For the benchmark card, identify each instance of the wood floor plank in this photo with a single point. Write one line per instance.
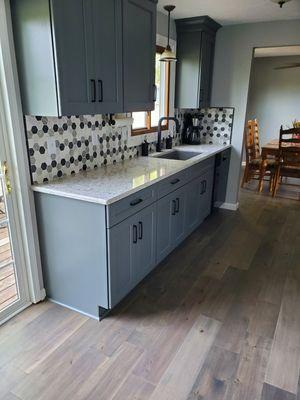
(249, 379)
(134, 388)
(217, 373)
(177, 382)
(273, 393)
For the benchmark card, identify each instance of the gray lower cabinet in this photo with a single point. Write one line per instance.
(221, 177)
(94, 255)
(131, 249)
(170, 222)
(193, 205)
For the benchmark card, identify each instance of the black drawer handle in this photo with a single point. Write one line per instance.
(136, 202)
(100, 85)
(141, 230)
(174, 181)
(93, 82)
(173, 207)
(177, 205)
(134, 234)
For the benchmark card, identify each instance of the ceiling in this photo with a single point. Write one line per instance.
(228, 12)
(277, 51)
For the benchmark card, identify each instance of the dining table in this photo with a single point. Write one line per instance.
(270, 150)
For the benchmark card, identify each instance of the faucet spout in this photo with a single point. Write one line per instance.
(161, 120)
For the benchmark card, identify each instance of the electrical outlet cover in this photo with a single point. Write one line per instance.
(51, 146)
(95, 138)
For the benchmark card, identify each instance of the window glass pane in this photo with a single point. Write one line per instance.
(139, 120)
(155, 114)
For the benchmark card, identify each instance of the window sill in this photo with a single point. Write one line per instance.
(145, 131)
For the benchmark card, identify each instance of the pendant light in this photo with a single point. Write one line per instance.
(168, 55)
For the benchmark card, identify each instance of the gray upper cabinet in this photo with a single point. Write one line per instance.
(70, 55)
(139, 39)
(107, 25)
(72, 47)
(195, 53)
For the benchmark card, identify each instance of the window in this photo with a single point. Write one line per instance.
(147, 121)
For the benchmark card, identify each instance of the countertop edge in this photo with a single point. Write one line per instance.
(47, 190)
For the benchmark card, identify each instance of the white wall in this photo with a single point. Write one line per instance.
(233, 58)
(274, 96)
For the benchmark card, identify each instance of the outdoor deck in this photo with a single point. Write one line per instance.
(8, 287)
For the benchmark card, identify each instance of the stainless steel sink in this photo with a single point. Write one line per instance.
(177, 155)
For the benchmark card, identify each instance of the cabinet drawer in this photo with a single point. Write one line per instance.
(130, 205)
(197, 170)
(172, 183)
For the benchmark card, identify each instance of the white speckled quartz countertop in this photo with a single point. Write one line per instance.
(108, 184)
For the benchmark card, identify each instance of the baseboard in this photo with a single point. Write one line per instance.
(227, 206)
(230, 206)
(74, 309)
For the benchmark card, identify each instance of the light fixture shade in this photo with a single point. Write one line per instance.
(168, 55)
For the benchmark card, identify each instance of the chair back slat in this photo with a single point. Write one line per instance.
(252, 140)
(289, 147)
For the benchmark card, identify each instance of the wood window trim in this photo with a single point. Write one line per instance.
(149, 128)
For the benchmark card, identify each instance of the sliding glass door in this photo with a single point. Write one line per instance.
(13, 282)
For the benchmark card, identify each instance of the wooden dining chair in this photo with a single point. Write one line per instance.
(255, 168)
(288, 162)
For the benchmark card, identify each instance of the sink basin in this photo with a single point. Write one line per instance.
(178, 155)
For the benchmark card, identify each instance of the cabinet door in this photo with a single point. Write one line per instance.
(193, 201)
(73, 38)
(107, 33)
(206, 188)
(178, 220)
(206, 68)
(139, 40)
(146, 222)
(221, 178)
(187, 69)
(123, 254)
(165, 213)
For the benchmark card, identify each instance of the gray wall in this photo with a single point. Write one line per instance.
(274, 95)
(233, 59)
(162, 26)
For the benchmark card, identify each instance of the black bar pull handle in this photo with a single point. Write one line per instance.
(154, 93)
(174, 181)
(141, 233)
(173, 207)
(136, 202)
(100, 86)
(177, 204)
(93, 82)
(134, 234)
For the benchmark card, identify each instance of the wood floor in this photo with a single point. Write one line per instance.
(220, 319)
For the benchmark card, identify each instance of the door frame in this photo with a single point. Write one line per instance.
(16, 149)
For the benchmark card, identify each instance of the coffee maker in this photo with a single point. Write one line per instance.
(191, 130)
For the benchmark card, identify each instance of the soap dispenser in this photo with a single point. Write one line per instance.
(145, 148)
(169, 142)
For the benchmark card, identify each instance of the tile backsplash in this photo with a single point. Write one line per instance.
(215, 124)
(62, 146)
(66, 145)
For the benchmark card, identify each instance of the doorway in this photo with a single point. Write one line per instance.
(273, 102)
